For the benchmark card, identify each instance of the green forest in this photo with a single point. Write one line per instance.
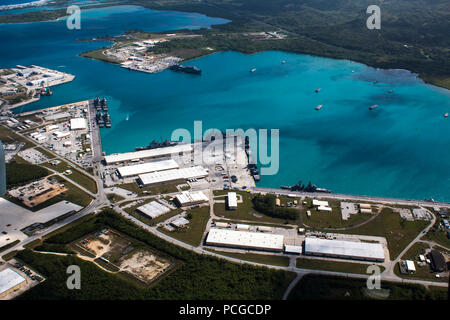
(198, 277)
(413, 34)
(317, 287)
(21, 173)
(266, 205)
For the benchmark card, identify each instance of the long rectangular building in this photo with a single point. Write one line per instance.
(344, 249)
(10, 280)
(148, 154)
(153, 209)
(245, 240)
(173, 175)
(134, 170)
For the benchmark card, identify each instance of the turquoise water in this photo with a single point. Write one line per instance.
(399, 149)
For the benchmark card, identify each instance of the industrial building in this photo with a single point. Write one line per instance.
(174, 175)
(344, 249)
(437, 261)
(232, 201)
(292, 249)
(135, 170)
(148, 154)
(10, 281)
(153, 209)
(180, 222)
(245, 240)
(78, 124)
(188, 198)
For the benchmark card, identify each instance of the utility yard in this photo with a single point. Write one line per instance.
(116, 253)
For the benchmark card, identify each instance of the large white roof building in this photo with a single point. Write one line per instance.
(138, 169)
(173, 175)
(78, 124)
(245, 239)
(9, 280)
(232, 200)
(153, 209)
(187, 198)
(150, 153)
(344, 249)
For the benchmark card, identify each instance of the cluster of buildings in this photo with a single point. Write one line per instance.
(263, 239)
(138, 56)
(32, 81)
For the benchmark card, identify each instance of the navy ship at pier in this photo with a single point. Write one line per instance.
(308, 188)
(185, 69)
(155, 144)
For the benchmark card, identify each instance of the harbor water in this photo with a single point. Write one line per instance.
(399, 149)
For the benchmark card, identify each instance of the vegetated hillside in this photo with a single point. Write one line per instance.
(413, 34)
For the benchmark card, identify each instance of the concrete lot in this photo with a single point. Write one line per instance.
(14, 218)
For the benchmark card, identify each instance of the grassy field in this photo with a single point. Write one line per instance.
(245, 210)
(422, 272)
(193, 232)
(333, 219)
(76, 175)
(274, 260)
(98, 55)
(165, 188)
(338, 266)
(83, 180)
(397, 231)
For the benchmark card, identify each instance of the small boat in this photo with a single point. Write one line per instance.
(283, 62)
(318, 107)
(353, 71)
(446, 115)
(391, 91)
(318, 90)
(253, 70)
(373, 107)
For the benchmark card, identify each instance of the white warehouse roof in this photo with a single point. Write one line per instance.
(153, 209)
(232, 201)
(320, 203)
(292, 249)
(245, 239)
(174, 174)
(410, 266)
(78, 124)
(138, 169)
(344, 249)
(187, 197)
(151, 153)
(180, 222)
(9, 279)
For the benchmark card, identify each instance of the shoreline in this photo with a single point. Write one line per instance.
(441, 81)
(37, 3)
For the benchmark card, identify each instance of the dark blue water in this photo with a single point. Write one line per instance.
(399, 149)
